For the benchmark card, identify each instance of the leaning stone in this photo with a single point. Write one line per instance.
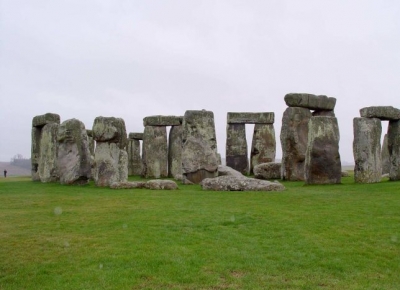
(162, 121)
(228, 171)
(251, 118)
(236, 147)
(384, 113)
(48, 118)
(161, 184)
(128, 185)
(47, 165)
(136, 136)
(367, 150)
(394, 149)
(155, 152)
(233, 183)
(310, 101)
(74, 156)
(270, 170)
(322, 164)
(111, 130)
(294, 134)
(385, 155)
(263, 145)
(175, 152)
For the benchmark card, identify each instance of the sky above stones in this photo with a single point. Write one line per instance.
(132, 59)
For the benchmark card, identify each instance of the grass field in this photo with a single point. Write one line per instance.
(308, 237)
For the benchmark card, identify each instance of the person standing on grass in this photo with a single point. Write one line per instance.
(5, 173)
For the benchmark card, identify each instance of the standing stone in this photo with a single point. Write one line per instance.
(322, 164)
(236, 148)
(394, 149)
(135, 166)
(385, 155)
(175, 152)
(155, 152)
(199, 151)
(367, 150)
(74, 159)
(48, 171)
(263, 146)
(294, 134)
(90, 141)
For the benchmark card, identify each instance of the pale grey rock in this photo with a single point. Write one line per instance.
(175, 152)
(251, 118)
(322, 164)
(385, 113)
(310, 101)
(162, 121)
(228, 171)
(111, 130)
(263, 145)
(128, 185)
(234, 183)
(91, 142)
(345, 174)
(367, 150)
(136, 136)
(161, 184)
(48, 118)
(269, 170)
(135, 165)
(73, 158)
(155, 152)
(394, 149)
(385, 155)
(236, 147)
(47, 161)
(294, 135)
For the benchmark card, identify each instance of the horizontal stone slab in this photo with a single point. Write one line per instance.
(160, 120)
(136, 136)
(41, 120)
(310, 101)
(384, 113)
(251, 118)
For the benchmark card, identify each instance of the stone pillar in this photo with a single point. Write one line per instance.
(155, 152)
(175, 152)
(294, 135)
(263, 146)
(236, 148)
(367, 150)
(385, 155)
(135, 165)
(322, 163)
(394, 149)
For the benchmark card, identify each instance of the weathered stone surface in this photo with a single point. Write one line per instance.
(324, 113)
(111, 130)
(270, 170)
(345, 174)
(111, 164)
(155, 152)
(91, 142)
(162, 121)
(135, 166)
(175, 152)
(161, 184)
(234, 183)
(48, 118)
(251, 118)
(386, 113)
(310, 101)
(47, 161)
(128, 185)
(385, 155)
(394, 149)
(294, 134)
(263, 146)
(136, 136)
(236, 147)
(228, 171)
(73, 160)
(322, 164)
(199, 151)
(367, 150)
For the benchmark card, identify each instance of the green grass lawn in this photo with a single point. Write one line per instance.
(308, 237)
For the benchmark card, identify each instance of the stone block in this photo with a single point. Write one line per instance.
(310, 101)
(384, 113)
(251, 118)
(160, 120)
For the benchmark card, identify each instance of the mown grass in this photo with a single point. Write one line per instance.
(308, 237)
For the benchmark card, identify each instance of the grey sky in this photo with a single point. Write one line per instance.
(132, 59)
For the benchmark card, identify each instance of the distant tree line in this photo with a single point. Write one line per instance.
(20, 161)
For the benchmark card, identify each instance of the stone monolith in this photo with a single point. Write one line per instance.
(263, 146)
(175, 152)
(155, 152)
(394, 149)
(385, 156)
(47, 168)
(236, 148)
(135, 165)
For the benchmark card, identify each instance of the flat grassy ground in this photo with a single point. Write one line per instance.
(308, 237)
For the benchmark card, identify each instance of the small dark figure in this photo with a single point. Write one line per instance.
(5, 173)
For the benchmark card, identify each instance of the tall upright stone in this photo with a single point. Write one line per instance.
(385, 155)
(74, 158)
(367, 150)
(135, 165)
(322, 163)
(236, 148)
(394, 149)
(263, 146)
(155, 152)
(199, 151)
(175, 152)
(294, 136)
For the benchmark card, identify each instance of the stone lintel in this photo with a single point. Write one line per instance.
(135, 136)
(310, 101)
(384, 113)
(160, 120)
(41, 120)
(251, 118)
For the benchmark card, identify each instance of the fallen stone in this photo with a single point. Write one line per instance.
(161, 184)
(270, 170)
(251, 118)
(233, 183)
(310, 101)
(128, 185)
(345, 174)
(228, 171)
(385, 113)
(162, 121)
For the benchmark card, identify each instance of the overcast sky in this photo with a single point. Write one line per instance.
(132, 59)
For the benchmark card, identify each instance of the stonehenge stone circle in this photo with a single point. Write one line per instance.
(135, 166)
(269, 170)
(367, 150)
(236, 147)
(243, 183)
(263, 145)
(385, 156)
(310, 101)
(155, 152)
(394, 149)
(175, 152)
(384, 113)
(74, 159)
(250, 118)
(322, 163)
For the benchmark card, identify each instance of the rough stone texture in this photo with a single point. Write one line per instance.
(270, 170)
(251, 118)
(294, 134)
(91, 142)
(111, 130)
(199, 151)
(135, 166)
(263, 146)
(386, 113)
(367, 150)
(73, 158)
(47, 166)
(161, 184)
(175, 152)
(324, 113)
(394, 149)
(136, 136)
(234, 183)
(345, 174)
(228, 171)
(48, 118)
(310, 101)
(162, 121)
(385, 156)
(128, 185)
(155, 152)
(322, 164)
(236, 147)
